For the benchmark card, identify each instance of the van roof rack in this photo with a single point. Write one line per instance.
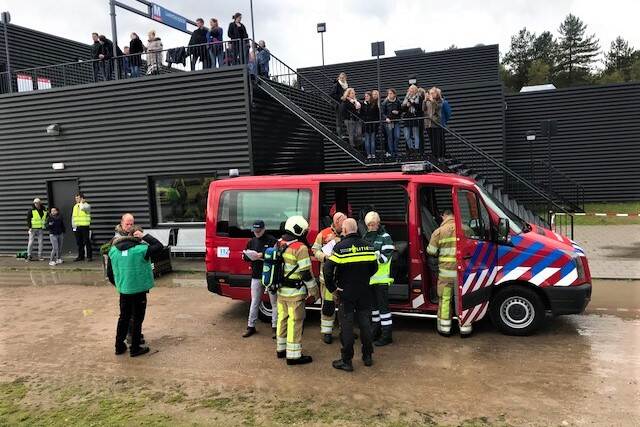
(416, 167)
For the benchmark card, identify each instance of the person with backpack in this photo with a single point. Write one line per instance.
(254, 253)
(295, 284)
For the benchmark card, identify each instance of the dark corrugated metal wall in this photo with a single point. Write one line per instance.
(30, 48)
(280, 141)
(114, 136)
(598, 140)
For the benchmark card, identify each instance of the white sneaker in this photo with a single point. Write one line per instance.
(59, 261)
(40, 259)
(52, 263)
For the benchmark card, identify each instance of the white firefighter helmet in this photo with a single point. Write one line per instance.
(296, 225)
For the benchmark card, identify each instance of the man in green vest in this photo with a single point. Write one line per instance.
(81, 223)
(129, 269)
(442, 245)
(36, 223)
(383, 246)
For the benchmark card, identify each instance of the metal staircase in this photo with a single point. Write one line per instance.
(312, 105)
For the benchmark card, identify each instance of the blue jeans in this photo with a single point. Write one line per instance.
(216, 55)
(393, 137)
(135, 71)
(411, 137)
(370, 143)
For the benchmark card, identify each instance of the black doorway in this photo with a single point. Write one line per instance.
(62, 196)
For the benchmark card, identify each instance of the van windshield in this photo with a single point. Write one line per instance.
(517, 224)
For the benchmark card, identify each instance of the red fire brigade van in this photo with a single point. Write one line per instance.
(512, 270)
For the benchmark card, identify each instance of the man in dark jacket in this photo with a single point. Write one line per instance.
(129, 269)
(348, 271)
(95, 52)
(254, 253)
(36, 224)
(197, 45)
(106, 56)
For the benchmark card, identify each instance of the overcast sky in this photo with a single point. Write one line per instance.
(289, 26)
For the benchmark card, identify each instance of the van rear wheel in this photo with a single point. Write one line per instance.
(264, 311)
(517, 310)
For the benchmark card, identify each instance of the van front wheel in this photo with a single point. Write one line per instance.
(264, 311)
(517, 310)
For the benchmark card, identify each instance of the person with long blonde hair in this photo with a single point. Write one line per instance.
(412, 110)
(350, 111)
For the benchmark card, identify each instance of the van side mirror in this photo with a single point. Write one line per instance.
(503, 231)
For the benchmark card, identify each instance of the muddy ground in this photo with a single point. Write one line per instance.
(57, 364)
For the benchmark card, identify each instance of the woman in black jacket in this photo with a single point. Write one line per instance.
(56, 228)
(350, 110)
(369, 112)
(237, 33)
(136, 48)
(339, 86)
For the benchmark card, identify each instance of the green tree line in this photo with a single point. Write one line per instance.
(568, 59)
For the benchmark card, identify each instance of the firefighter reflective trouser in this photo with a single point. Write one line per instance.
(328, 313)
(445, 298)
(289, 330)
(380, 314)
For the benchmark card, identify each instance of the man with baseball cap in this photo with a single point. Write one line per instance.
(254, 253)
(36, 223)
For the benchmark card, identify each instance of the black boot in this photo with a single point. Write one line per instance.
(302, 360)
(327, 338)
(121, 348)
(342, 365)
(368, 360)
(281, 354)
(139, 351)
(250, 331)
(385, 338)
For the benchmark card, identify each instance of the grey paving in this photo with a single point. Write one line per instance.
(613, 250)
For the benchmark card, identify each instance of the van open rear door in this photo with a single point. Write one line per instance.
(476, 256)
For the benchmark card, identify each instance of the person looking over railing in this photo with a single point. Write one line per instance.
(390, 114)
(216, 48)
(370, 115)
(340, 85)
(411, 111)
(136, 48)
(95, 52)
(106, 56)
(154, 53)
(197, 49)
(238, 35)
(350, 109)
(263, 58)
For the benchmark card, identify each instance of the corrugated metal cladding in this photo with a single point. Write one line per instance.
(469, 79)
(30, 48)
(281, 142)
(598, 140)
(114, 136)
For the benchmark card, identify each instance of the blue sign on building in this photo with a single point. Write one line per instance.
(160, 14)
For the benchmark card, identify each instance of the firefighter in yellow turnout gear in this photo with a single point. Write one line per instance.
(322, 248)
(299, 284)
(443, 246)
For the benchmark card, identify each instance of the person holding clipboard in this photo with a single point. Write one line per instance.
(254, 253)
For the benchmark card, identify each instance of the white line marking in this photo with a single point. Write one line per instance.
(513, 274)
(600, 214)
(543, 275)
(622, 214)
(568, 279)
(493, 275)
(468, 282)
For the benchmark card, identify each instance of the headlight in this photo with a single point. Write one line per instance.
(580, 268)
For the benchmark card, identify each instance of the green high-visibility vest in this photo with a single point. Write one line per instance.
(38, 221)
(383, 274)
(80, 217)
(132, 273)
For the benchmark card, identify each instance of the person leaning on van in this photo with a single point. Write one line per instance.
(254, 253)
(129, 269)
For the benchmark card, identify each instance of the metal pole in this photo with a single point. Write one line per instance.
(114, 37)
(322, 43)
(6, 49)
(253, 33)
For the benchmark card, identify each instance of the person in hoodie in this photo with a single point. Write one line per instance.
(154, 53)
(36, 223)
(56, 228)
(129, 269)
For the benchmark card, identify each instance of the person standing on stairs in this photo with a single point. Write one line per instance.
(339, 86)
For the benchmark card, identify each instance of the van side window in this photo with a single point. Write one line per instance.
(238, 209)
(475, 219)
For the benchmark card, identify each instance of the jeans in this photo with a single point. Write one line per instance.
(132, 306)
(216, 57)
(393, 137)
(135, 71)
(257, 290)
(350, 312)
(35, 233)
(411, 137)
(370, 143)
(353, 131)
(56, 246)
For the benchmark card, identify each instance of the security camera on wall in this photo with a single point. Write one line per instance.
(53, 130)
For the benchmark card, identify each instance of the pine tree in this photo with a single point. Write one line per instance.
(620, 56)
(538, 72)
(576, 51)
(545, 51)
(518, 59)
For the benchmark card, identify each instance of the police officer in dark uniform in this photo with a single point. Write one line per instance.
(347, 271)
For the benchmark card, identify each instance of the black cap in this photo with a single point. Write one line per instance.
(258, 224)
